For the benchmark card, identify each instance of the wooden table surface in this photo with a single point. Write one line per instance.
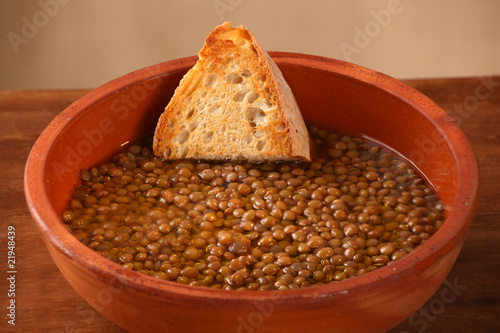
(45, 302)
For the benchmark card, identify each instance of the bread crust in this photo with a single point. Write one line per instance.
(234, 104)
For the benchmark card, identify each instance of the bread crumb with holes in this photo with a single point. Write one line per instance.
(234, 104)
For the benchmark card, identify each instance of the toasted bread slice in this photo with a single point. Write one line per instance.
(234, 104)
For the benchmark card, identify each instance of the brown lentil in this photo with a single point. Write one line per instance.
(265, 226)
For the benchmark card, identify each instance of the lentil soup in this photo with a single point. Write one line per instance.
(241, 226)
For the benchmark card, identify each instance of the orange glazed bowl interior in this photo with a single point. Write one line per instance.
(332, 94)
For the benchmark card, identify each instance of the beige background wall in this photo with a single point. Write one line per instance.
(54, 44)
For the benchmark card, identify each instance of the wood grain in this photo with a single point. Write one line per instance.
(45, 302)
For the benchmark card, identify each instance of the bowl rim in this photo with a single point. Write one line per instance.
(54, 232)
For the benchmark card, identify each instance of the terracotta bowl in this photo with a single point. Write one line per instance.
(333, 94)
